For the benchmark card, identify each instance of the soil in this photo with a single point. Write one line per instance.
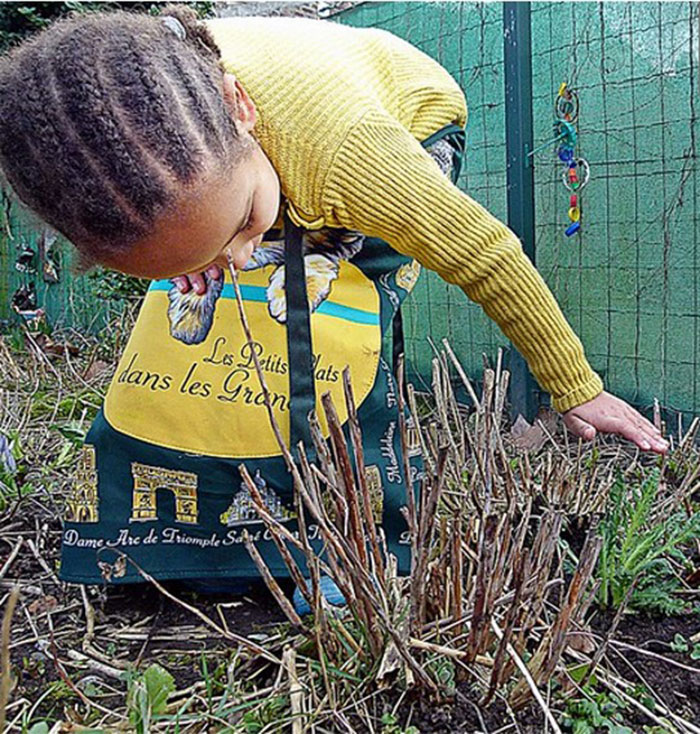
(174, 637)
(137, 624)
(134, 624)
(677, 689)
(673, 687)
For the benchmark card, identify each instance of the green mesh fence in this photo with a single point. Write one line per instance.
(629, 282)
(72, 301)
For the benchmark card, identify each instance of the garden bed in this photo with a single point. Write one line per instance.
(88, 657)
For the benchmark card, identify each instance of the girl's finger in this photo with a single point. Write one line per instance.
(182, 282)
(656, 443)
(214, 271)
(642, 422)
(198, 283)
(579, 427)
(636, 435)
(643, 433)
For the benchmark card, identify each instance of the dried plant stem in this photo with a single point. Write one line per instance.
(356, 438)
(272, 584)
(343, 461)
(296, 691)
(289, 460)
(252, 647)
(6, 679)
(274, 528)
(410, 514)
(528, 678)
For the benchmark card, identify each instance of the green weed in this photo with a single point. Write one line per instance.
(636, 546)
(681, 644)
(273, 709)
(594, 712)
(390, 725)
(147, 695)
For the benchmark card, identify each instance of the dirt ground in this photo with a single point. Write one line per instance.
(137, 625)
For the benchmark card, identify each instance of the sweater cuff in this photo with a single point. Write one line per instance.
(589, 390)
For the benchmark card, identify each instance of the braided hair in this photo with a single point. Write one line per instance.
(105, 117)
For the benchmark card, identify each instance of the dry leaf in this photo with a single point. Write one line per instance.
(581, 642)
(43, 605)
(527, 437)
(96, 369)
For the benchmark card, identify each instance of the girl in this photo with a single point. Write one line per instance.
(318, 158)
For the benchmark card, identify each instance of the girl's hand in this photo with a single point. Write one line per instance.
(196, 280)
(609, 414)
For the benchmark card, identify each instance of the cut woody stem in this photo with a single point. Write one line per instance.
(472, 568)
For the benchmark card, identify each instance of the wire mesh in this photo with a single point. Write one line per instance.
(72, 301)
(629, 282)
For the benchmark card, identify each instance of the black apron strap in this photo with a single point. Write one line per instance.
(302, 395)
(396, 340)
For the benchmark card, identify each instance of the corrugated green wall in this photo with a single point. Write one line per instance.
(628, 283)
(73, 301)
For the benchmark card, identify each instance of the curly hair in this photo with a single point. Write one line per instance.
(105, 117)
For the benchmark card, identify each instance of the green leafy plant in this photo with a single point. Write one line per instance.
(274, 708)
(115, 286)
(390, 725)
(147, 696)
(20, 20)
(595, 711)
(636, 545)
(681, 644)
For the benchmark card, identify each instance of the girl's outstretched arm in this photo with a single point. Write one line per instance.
(384, 184)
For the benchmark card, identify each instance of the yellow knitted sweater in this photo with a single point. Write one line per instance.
(340, 113)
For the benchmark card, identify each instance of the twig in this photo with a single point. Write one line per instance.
(6, 679)
(526, 675)
(296, 695)
(10, 559)
(244, 642)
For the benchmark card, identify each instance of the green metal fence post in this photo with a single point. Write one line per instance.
(520, 174)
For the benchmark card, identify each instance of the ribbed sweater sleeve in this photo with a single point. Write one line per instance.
(383, 183)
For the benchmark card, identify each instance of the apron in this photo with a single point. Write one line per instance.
(157, 480)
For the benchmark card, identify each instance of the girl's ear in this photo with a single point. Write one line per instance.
(240, 105)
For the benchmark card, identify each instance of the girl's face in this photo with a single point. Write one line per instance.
(221, 217)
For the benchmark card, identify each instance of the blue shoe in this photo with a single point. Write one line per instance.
(330, 592)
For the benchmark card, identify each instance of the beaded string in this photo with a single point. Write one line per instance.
(576, 171)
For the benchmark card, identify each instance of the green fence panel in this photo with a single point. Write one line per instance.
(628, 283)
(74, 301)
